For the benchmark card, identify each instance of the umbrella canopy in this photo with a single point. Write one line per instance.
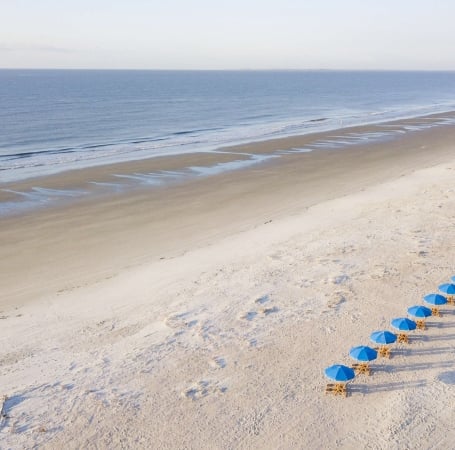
(403, 324)
(383, 337)
(435, 299)
(419, 311)
(447, 288)
(339, 372)
(363, 353)
(453, 279)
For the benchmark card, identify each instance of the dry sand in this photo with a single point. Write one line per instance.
(202, 316)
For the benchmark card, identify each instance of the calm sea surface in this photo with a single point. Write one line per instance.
(53, 120)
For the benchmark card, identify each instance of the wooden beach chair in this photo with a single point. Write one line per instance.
(337, 389)
(403, 338)
(451, 300)
(383, 351)
(435, 312)
(362, 368)
(421, 324)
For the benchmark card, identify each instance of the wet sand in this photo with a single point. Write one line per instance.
(88, 239)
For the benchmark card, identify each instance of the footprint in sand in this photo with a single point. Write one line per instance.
(276, 256)
(264, 311)
(340, 279)
(249, 315)
(268, 310)
(261, 300)
(336, 300)
(304, 283)
(180, 320)
(218, 362)
(447, 377)
(381, 272)
(203, 388)
(348, 249)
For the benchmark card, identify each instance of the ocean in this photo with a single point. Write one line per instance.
(55, 120)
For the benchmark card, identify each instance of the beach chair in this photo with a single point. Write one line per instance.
(337, 389)
(451, 300)
(435, 311)
(383, 351)
(421, 324)
(403, 338)
(362, 368)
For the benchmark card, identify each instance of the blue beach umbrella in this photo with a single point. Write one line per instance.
(403, 324)
(419, 311)
(447, 288)
(383, 337)
(435, 299)
(363, 353)
(340, 373)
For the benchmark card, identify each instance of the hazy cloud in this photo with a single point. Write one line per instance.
(34, 48)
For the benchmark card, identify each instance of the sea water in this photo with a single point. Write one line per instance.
(56, 120)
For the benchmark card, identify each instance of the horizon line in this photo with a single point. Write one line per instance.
(225, 70)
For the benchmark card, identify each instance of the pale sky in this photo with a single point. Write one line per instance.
(232, 34)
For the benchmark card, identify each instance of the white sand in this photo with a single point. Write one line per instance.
(224, 346)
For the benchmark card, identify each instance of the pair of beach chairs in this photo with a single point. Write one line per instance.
(337, 389)
(362, 368)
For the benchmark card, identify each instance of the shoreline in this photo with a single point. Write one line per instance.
(128, 229)
(102, 181)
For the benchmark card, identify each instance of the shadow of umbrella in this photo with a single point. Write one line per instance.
(447, 377)
(387, 387)
(417, 366)
(441, 325)
(442, 337)
(426, 351)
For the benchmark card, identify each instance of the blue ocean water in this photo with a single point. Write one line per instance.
(55, 120)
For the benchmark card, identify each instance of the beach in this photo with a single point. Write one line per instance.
(201, 314)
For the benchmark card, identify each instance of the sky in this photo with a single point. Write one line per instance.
(232, 34)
